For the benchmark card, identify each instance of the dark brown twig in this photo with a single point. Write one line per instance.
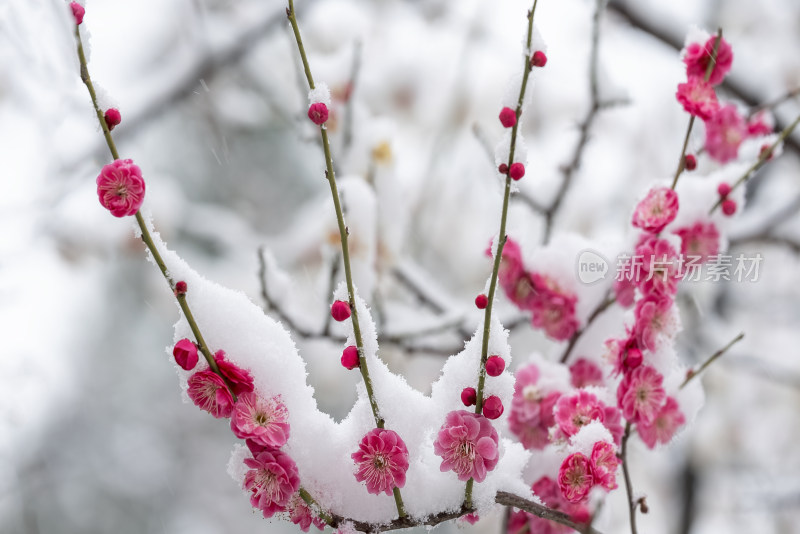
(603, 306)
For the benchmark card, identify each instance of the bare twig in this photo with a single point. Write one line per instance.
(772, 104)
(694, 372)
(628, 485)
(607, 301)
(768, 238)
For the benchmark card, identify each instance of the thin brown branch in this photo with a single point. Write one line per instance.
(695, 372)
(603, 306)
(632, 504)
(767, 238)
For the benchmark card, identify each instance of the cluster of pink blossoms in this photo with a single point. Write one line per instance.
(549, 492)
(272, 479)
(580, 473)
(725, 127)
(640, 394)
(553, 308)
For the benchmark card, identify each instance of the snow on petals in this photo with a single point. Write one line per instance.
(265, 421)
(575, 477)
(697, 56)
(381, 461)
(468, 445)
(120, 187)
(604, 463)
(240, 379)
(656, 210)
(271, 481)
(698, 98)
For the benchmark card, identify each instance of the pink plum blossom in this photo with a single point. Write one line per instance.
(575, 411)
(185, 353)
(604, 463)
(547, 490)
(655, 321)
(120, 187)
(625, 284)
(725, 131)
(300, 514)
(575, 477)
(697, 56)
(698, 98)
(381, 461)
(271, 481)
(660, 269)
(240, 379)
(656, 210)
(553, 308)
(640, 394)
(531, 409)
(762, 123)
(210, 393)
(467, 444)
(265, 421)
(663, 427)
(698, 241)
(624, 354)
(585, 372)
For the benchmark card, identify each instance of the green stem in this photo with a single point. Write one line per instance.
(343, 234)
(146, 237)
(315, 507)
(709, 70)
(501, 239)
(762, 159)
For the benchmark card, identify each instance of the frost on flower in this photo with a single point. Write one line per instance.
(656, 210)
(381, 461)
(120, 187)
(574, 411)
(663, 427)
(641, 394)
(271, 481)
(659, 273)
(210, 393)
(575, 477)
(725, 131)
(265, 421)
(467, 444)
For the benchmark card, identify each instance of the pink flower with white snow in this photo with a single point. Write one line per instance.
(547, 490)
(660, 267)
(624, 354)
(698, 241)
(553, 308)
(585, 373)
(604, 463)
(663, 427)
(512, 276)
(762, 123)
(640, 394)
(300, 514)
(120, 187)
(625, 284)
(575, 477)
(655, 321)
(575, 411)
(210, 393)
(467, 444)
(271, 481)
(531, 409)
(381, 461)
(239, 379)
(656, 210)
(725, 131)
(265, 421)
(698, 98)
(697, 56)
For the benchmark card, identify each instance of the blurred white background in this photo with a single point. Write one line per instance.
(94, 437)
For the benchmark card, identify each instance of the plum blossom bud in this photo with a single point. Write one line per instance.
(185, 353)
(350, 357)
(516, 171)
(180, 288)
(493, 407)
(78, 12)
(469, 396)
(112, 117)
(340, 310)
(495, 365)
(539, 59)
(508, 117)
(318, 113)
(481, 301)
